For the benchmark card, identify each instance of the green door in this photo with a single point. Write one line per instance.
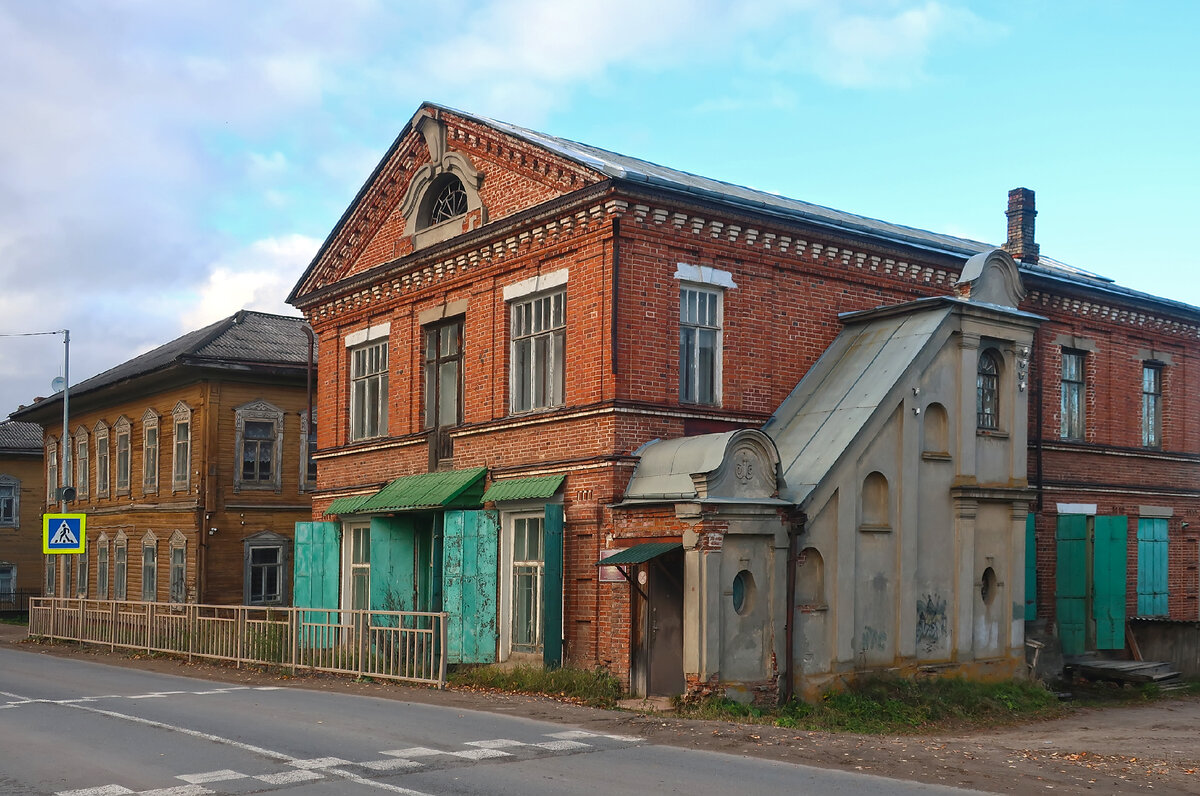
(552, 588)
(1071, 582)
(1152, 566)
(393, 564)
(1108, 600)
(470, 549)
(317, 565)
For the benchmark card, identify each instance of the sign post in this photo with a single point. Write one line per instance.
(64, 533)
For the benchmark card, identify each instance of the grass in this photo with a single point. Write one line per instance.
(21, 619)
(892, 705)
(592, 687)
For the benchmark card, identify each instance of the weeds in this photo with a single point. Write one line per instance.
(593, 687)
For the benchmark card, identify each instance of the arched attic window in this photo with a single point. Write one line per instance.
(445, 199)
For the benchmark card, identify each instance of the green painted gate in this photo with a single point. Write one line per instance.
(1152, 566)
(1071, 582)
(316, 566)
(393, 563)
(1108, 600)
(470, 548)
(1090, 582)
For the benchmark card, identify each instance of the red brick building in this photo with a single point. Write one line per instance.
(530, 310)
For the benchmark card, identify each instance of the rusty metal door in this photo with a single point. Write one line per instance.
(664, 625)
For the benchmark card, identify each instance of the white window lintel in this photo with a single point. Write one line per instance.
(1077, 508)
(536, 284)
(704, 275)
(374, 332)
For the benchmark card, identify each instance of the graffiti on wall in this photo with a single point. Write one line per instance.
(931, 621)
(873, 639)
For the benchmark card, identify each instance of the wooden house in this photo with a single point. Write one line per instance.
(22, 497)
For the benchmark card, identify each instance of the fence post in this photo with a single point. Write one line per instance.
(294, 636)
(240, 624)
(149, 627)
(191, 630)
(82, 614)
(443, 638)
(112, 626)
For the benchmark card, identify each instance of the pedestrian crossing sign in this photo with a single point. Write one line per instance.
(63, 533)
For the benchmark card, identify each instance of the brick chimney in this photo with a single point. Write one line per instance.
(1020, 214)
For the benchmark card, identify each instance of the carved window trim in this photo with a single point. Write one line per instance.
(82, 462)
(258, 412)
(103, 459)
(181, 448)
(150, 450)
(10, 501)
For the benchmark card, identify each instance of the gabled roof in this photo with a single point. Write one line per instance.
(242, 341)
(18, 437)
(623, 168)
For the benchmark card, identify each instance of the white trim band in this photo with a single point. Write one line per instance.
(370, 333)
(705, 275)
(536, 284)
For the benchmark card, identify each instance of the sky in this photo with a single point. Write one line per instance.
(163, 165)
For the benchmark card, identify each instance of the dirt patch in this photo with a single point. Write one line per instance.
(1153, 748)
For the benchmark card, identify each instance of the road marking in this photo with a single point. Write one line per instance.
(416, 751)
(479, 754)
(178, 790)
(563, 746)
(499, 743)
(289, 777)
(391, 764)
(575, 734)
(319, 762)
(103, 790)
(211, 776)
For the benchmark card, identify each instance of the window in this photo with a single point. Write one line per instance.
(1074, 395)
(699, 345)
(528, 571)
(149, 568)
(368, 390)
(266, 569)
(10, 502)
(66, 571)
(1152, 405)
(52, 473)
(443, 387)
(8, 582)
(82, 461)
(81, 574)
(121, 568)
(51, 574)
(356, 549)
(259, 445)
(308, 452)
(150, 451)
(102, 477)
(177, 582)
(876, 503)
(181, 464)
(987, 392)
(450, 201)
(538, 336)
(102, 568)
(122, 430)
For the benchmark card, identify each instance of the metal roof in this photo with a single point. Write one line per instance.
(639, 553)
(665, 467)
(459, 488)
(244, 338)
(346, 505)
(20, 437)
(532, 488)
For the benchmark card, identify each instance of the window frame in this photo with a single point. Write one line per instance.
(537, 319)
(82, 463)
(150, 448)
(12, 501)
(51, 471)
(181, 448)
(103, 460)
(177, 570)
(102, 567)
(308, 450)
(123, 429)
(8, 595)
(1072, 424)
(121, 567)
(690, 359)
(150, 566)
(433, 370)
(1152, 402)
(352, 537)
(81, 574)
(368, 385)
(51, 574)
(267, 540)
(987, 391)
(258, 412)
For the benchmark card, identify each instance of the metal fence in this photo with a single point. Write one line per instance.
(398, 645)
(16, 601)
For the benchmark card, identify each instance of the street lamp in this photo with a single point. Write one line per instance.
(63, 494)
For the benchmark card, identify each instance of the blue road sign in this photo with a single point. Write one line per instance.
(63, 533)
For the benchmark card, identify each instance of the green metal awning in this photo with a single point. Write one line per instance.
(640, 553)
(448, 489)
(346, 505)
(533, 488)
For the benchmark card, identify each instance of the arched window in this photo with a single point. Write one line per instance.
(987, 391)
(936, 430)
(810, 578)
(875, 506)
(449, 199)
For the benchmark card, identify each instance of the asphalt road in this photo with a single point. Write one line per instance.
(88, 729)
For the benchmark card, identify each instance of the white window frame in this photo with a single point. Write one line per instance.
(124, 432)
(507, 616)
(121, 567)
(177, 569)
(691, 391)
(150, 452)
(258, 412)
(103, 563)
(369, 372)
(82, 462)
(52, 471)
(103, 460)
(537, 378)
(351, 535)
(181, 448)
(150, 584)
(12, 486)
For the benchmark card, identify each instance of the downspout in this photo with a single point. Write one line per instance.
(795, 528)
(308, 332)
(1037, 464)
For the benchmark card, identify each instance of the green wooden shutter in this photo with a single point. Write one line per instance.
(1030, 569)
(1070, 582)
(470, 548)
(1108, 601)
(316, 565)
(1152, 566)
(393, 555)
(552, 587)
